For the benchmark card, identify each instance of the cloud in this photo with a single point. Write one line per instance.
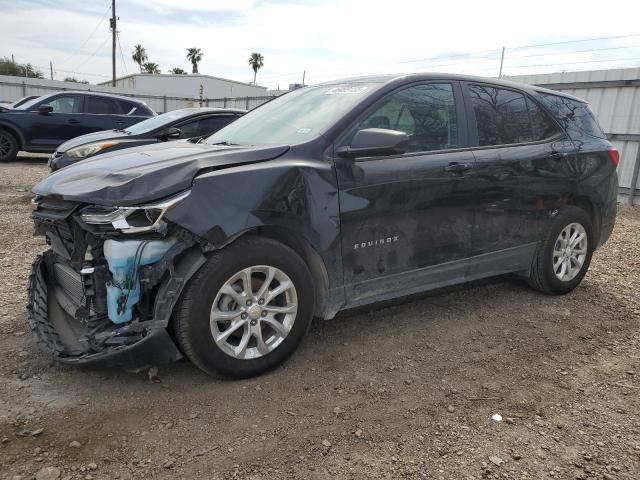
(328, 39)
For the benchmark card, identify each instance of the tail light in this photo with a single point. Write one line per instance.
(614, 155)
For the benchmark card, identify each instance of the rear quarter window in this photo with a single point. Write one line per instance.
(575, 116)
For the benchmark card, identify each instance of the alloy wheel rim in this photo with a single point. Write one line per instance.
(570, 252)
(253, 312)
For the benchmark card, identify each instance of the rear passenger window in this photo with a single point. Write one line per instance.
(126, 108)
(575, 116)
(426, 113)
(101, 105)
(502, 117)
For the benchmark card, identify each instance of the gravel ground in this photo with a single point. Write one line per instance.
(401, 390)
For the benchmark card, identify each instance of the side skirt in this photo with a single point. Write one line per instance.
(515, 259)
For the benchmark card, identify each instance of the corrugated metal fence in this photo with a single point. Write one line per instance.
(614, 96)
(14, 88)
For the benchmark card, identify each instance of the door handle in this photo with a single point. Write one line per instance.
(455, 167)
(73, 120)
(120, 122)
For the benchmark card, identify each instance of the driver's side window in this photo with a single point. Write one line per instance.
(426, 113)
(66, 104)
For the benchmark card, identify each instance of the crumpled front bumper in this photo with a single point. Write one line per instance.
(49, 324)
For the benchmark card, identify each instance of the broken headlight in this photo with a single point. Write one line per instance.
(145, 218)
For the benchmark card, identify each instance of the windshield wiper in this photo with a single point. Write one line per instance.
(225, 143)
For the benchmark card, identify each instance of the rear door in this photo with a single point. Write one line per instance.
(522, 166)
(406, 219)
(48, 130)
(103, 113)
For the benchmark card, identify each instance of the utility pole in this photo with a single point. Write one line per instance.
(304, 73)
(114, 32)
(501, 62)
(51, 68)
(12, 59)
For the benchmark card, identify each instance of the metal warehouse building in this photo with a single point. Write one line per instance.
(614, 96)
(188, 85)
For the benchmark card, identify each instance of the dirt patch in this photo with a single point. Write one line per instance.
(406, 390)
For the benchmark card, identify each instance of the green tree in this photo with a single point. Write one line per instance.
(178, 71)
(75, 80)
(150, 67)
(139, 55)
(194, 55)
(256, 62)
(8, 67)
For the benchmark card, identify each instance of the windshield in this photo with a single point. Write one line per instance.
(159, 121)
(295, 117)
(30, 103)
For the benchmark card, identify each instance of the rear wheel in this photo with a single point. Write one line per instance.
(246, 310)
(8, 146)
(563, 257)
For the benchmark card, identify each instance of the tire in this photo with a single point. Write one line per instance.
(9, 146)
(213, 285)
(544, 275)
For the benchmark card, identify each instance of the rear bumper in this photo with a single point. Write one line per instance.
(134, 347)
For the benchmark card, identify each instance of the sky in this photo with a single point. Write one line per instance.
(327, 39)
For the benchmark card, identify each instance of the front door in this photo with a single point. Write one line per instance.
(48, 130)
(406, 220)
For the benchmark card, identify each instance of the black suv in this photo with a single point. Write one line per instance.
(325, 198)
(187, 123)
(43, 123)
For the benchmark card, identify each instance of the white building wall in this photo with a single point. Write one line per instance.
(189, 86)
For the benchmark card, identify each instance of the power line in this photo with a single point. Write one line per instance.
(497, 50)
(94, 53)
(122, 54)
(576, 63)
(575, 41)
(88, 38)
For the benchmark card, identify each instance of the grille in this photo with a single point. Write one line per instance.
(52, 217)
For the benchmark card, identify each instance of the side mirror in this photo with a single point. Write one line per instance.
(372, 142)
(171, 133)
(45, 109)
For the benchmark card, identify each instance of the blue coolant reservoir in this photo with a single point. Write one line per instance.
(124, 257)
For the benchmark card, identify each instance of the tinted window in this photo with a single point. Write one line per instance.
(66, 104)
(125, 107)
(574, 116)
(203, 127)
(543, 126)
(101, 105)
(426, 113)
(501, 116)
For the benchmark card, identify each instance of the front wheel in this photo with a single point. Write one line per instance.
(563, 257)
(246, 310)
(8, 146)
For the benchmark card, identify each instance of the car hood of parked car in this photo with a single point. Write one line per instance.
(91, 138)
(143, 174)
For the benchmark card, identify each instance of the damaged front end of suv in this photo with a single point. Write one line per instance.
(105, 289)
(104, 268)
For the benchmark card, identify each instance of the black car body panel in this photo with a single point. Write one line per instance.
(75, 114)
(143, 174)
(369, 228)
(193, 123)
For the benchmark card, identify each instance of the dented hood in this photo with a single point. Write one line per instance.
(143, 174)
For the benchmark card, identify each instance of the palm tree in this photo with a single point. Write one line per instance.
(256, 62)
(177, 71)
(139, 55)
(194, 55)
(150, 67)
